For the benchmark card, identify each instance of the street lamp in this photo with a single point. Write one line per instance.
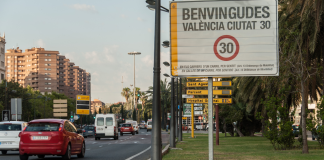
(151, 5)
(134, 53)
(166, 44)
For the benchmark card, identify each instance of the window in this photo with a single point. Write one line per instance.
(10, 127)
(49, 78)
(126, 125)
(43, 127)
(45, 69)
(2, 76)
(47, 64)
(45, 78)
(45, 59)
(47, 83)
(8, 70)
(49, 59)
(2, 64)
(109, 121)
(8, 56)
(8, 75)
(47, 54)
(8, 61)
(100, 121)
(45, 87)
(49, 88)
(49, 69)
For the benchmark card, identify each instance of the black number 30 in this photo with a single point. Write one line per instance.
(229, 47)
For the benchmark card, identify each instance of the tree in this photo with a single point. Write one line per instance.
(100, 110)
(125, 93)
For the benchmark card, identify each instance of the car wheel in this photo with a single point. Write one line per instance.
(133, 133)
(117, 137)
(4, 152)
(98, 138)
(136, 132)
(41, 156)
(81, 154)
(121, 133)
(67, 155)
(23, 157)
(147, 130)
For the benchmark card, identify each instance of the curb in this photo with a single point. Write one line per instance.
(164, 151)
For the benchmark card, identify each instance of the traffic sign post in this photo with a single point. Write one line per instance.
(205, 92)
(205, 100)
(83, 105)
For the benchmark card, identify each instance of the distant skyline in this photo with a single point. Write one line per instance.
(96, 35)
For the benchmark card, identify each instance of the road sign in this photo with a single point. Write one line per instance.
(76, 117)
(224, 38)
(215, 100)
(198, 108)
(205, 92)
(184, 117)
(198, 112)
(187, 96)
(186, 110)
(5, 115)
(71, 120)
(16, 109)
(60, 108)
(198, 105)
(83, 105)
(205, 84)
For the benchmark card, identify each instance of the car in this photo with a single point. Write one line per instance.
(316, 132)
(149, 126)
(120, 125)
(106, 126)
(51, 137)
(135, 126)
(127, 128)
(295, 129)
(88, 131)
(142, 126)
(214, 128)
(9, 131)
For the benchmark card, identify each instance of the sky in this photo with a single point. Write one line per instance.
(95, 35)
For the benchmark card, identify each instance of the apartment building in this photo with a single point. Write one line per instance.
(2, 57)
(46, 71)
(95, 105)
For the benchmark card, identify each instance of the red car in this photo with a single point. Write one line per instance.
(127, 128)
(51, 137)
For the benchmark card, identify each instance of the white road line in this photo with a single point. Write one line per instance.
(100, 146)
(138, 153)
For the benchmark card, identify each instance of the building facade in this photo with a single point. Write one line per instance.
(2, 57)
(45, 71)
(96, 104)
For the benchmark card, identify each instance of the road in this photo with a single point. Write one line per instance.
(128, 147)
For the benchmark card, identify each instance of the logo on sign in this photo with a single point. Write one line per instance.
(226, 47)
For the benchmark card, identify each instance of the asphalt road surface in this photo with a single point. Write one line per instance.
(129, 147)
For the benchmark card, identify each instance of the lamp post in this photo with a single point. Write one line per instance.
(172, 123)
(134, 53)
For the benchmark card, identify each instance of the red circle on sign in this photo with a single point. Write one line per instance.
(235, 53)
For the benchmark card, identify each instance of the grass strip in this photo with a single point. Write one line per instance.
(238, 148)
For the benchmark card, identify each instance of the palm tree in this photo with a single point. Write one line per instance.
(125, 93)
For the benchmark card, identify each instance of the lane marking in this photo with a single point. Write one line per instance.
(100, 146)
(138, 153)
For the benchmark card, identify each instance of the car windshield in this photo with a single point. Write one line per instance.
(295, 127)
(43, 127)
(10, 127)
(126, 125)
(91, 128)
(149, 123)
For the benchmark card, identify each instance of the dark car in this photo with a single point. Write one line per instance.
(88, 131)
(295, 129)
(51, 137)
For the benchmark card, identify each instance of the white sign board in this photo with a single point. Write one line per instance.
(224, 38)
(198, 112)
(187, 96)
(198, 108)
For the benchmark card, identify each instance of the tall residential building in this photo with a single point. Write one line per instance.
(2, 57)
(46, 71)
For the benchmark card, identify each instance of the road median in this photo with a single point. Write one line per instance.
(237, 148)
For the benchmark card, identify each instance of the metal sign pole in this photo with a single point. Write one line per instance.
(192, 121)
(16, 106)
(210, 118)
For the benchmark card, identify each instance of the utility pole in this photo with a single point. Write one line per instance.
(176, 108)
(180, 111)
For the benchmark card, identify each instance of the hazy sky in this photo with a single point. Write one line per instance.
(96, 35)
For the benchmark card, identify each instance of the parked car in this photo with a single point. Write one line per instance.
(106, 126)
(127, 128)
(135, 126)
(295, 129)
(149, 126)
(9, 139)
(315, 135)
(88, 131)
(51, 137)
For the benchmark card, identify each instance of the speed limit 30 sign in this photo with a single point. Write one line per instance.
(224, 38)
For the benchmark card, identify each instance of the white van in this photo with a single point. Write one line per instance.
(106, 126)
(9, 131)
(135, 126)
(149, 125)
